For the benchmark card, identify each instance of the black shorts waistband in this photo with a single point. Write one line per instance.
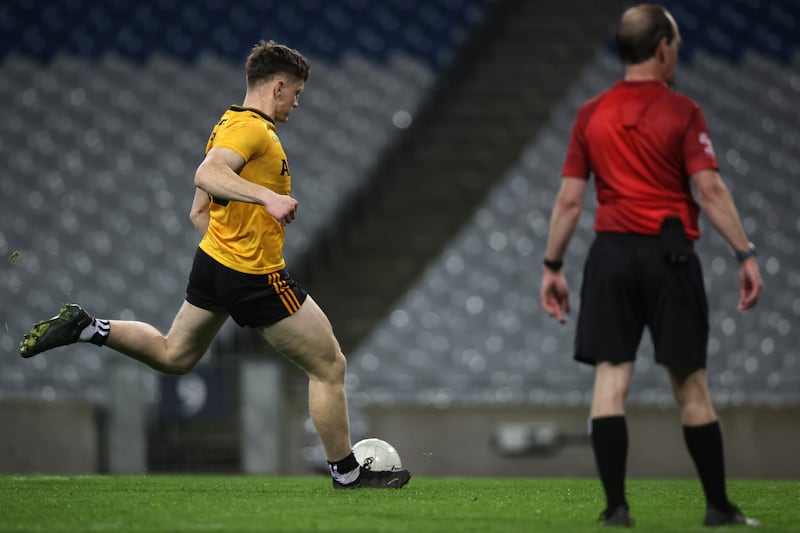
(630, 239)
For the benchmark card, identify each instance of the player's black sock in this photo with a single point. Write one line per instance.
(96, 332)
(705, 447)
(345, 471)
(610, 444)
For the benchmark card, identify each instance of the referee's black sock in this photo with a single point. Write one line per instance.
(610, 444)
(705, 447)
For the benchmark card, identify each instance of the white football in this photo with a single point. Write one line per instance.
(377, 455)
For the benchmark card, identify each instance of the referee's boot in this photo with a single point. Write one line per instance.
(64, 328)
(730, 516)
(620, 516)
(370, 479)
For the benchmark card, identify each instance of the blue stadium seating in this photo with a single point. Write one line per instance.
(728, 28)
(321, 29)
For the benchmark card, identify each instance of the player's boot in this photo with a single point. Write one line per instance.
(617, 517)
(719, 517)
(62, 329)
(369, 479)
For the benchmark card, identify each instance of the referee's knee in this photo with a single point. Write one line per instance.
(697, 413)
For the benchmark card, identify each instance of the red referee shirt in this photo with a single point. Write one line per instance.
(641, 141)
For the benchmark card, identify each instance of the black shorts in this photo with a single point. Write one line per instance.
(252, 300)
(627, 285)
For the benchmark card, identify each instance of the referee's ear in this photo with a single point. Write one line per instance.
(662, 50)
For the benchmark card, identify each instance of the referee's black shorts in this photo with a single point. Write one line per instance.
(627, 285)
(253, 300)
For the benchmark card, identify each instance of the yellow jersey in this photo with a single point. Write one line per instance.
(243, 236)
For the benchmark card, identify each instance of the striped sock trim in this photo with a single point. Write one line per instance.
(96, 332)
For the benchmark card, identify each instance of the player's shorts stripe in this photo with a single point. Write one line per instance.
(287, 297)
(286, 303)
(293, 298)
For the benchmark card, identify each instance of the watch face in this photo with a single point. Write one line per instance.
(750, 252)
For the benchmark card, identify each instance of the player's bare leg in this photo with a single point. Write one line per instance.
(307, 339)
(177, 352)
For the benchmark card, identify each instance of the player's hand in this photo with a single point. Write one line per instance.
(750, 284)
(283, 207)
(554, 295)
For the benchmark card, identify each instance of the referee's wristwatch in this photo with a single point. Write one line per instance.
(553, 266)
(745, 254)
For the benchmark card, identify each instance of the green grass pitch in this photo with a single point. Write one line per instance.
(293, 504)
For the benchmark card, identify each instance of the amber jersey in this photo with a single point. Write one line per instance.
(243, 236)
(642, 141)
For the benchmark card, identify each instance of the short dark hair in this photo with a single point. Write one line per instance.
(269, 58)
(640, 30)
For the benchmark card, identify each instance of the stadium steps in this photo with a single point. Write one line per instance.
(505, 81)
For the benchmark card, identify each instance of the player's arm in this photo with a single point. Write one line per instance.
(199, 214)
(218, 176)
(567, 209)
(715, 199)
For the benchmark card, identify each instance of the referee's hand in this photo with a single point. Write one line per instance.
(554, 295)
(750, 284)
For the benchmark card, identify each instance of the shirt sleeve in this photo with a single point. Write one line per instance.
(576, 163)
(247, 138)
(698, 152)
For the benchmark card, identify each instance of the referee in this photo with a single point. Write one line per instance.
(646, 146)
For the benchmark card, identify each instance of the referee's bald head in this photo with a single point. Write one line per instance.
(640, 30)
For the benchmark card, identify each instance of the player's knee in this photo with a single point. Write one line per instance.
(180, 365)
(339, 366)
(335, 368)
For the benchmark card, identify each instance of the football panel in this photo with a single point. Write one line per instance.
(376, 454)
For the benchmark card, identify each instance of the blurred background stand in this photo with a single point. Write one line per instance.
(262, 416)
(126, 429)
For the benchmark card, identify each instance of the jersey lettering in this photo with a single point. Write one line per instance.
(284, 167)
(214, 131)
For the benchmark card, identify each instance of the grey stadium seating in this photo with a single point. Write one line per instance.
(102, 130)
(471, 330)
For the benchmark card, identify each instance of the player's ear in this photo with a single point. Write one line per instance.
(277, 87)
